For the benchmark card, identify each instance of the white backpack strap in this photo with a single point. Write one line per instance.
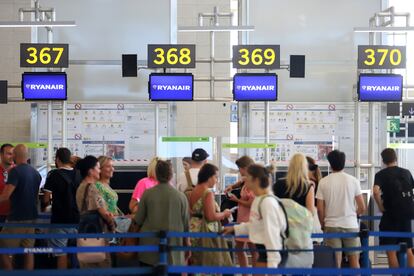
(286, 234)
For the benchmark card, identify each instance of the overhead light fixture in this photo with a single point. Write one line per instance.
(36, 24)
(215, 28)
(383, 29)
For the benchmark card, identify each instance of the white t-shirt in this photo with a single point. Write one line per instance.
(339, 190)
(266, 229)
(182, 180)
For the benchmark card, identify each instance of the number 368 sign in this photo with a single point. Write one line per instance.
(44, 55)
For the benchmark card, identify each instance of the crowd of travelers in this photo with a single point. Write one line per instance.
(269, 214)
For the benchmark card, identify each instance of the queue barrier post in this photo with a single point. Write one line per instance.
(402, 256)
(364, 236)
(162, 268)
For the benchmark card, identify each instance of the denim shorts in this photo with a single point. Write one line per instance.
(59, 243)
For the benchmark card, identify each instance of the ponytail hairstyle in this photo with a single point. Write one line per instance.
(206, 171)
(314, 170)
(263, 174)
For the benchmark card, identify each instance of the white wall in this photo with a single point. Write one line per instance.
(323, 31)
(205, 118)
(105, 30)
(15, 117)
(320, 29)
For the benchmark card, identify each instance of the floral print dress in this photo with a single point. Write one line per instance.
(196, 220)
(110, 197)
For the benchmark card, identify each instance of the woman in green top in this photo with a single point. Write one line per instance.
(109, 195)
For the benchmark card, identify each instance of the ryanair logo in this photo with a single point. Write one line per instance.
(381, 88)
(45, 86)
(255, 87)
(40, 250)
(172, 87)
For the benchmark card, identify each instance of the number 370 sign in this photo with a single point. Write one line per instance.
(381, 57)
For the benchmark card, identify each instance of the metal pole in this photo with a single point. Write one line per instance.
(36, 10)
(220, 166)
(156, 126)
(212, 36)
(216, 16)
(161, 269)
(402, 256)
(64, 104)
(371, 125)
(267, 132)
(364, 236)
(49, 136)
(357, 139)
(64, 124)
(49, 103)
(371, 143)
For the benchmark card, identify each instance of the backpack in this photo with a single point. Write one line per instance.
(71, 187)
(299, 224)
(403, 196)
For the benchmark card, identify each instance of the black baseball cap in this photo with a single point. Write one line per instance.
(199, 155)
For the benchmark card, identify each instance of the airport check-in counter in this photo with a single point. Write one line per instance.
(123, 182)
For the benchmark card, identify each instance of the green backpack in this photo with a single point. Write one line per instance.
(299, 223)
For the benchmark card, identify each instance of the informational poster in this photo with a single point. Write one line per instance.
(312, 129)
(124, 132)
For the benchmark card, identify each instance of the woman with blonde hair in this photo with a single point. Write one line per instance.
(296, 184)
(143, 185)
(103, 185)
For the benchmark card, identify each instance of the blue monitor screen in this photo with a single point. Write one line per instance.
(380, 87)
(255, 87)
(44, 86)
(170, 87)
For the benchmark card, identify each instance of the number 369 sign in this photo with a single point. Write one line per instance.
(381, 57)
(44, 55)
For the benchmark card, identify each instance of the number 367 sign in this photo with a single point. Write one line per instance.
(44, 55)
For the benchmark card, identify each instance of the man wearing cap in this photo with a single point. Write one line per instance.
(198, 159)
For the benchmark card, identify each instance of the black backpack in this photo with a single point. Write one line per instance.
(71, 187)
(403, 194)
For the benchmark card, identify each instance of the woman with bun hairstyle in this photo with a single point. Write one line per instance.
(266, 225)
(88, 198)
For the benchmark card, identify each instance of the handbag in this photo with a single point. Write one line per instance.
(91, 257)
(216, 258)
(90, 221)
(219, 258)
(133, 228)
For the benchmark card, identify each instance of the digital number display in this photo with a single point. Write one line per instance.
(171, 56)
(170, 87)
(44, 86)
(255, 87)
(380, 87)
(256, 56)
(381, 57)
(44, 55)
